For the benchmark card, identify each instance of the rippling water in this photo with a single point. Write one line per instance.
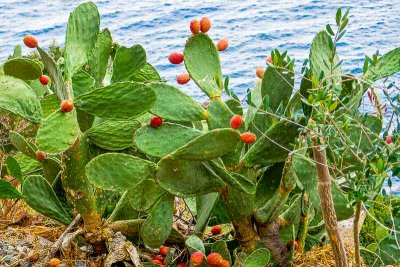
(254, 28)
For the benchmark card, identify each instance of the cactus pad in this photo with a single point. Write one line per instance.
(209, 145)
(82, 82)
(158, 224)
(40, 196)
(82, 30)
(272, 146)
(50, 103)
(118, 172)
(193, 244)
(18, 98)
(163, 140)
(113, 135)
(187, 178)
(23, 145)
(57, 133)
(127, 62)
(388, 65)
(123, 100)
(258, 258)
(8, 191)
(23, 68)
(173, 104)
(146, 74)
(98, 59)
(202, 62)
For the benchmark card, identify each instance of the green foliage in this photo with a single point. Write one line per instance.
(39, 194)
(18, 98)
(127, 61)
(23, 68)
(82, 30)
(124, 100)
(57, 133)
(8, 191)
(203, 65)
(118, 172)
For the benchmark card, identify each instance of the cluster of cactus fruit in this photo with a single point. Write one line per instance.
(119, 133)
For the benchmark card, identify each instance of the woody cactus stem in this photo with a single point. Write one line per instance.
(356, 232)
(304, 219)
(77, 186)
(328, 210)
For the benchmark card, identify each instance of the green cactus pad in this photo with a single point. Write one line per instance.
(14, 169)
(98, 59)
(158, 224)
(55, 74)
(23, 68)
(27, 164)
(123, 210)
(187, 178)
(125, 100)
(8, 191)
(40, 196)
(51, 169)
(82, 31)
(320, 61)
(17, 51)
(82, 82)
(258, 258)
(209, 145)
(202, 62)
(219, 115)
(118, 172)
(204, 207)
(127, 62)
(50, 103)
(221, 248)
(146, 74)
(307, 175)
(194, 244)
(37, 87)
(165, 139)
(235, 180)
(388, 65)
(18, 98)
(58, 132)
(277, 84)
(23, 145)
(268, 183)
(173, 104)
(113, 135)
(266, 149)
(143, 196)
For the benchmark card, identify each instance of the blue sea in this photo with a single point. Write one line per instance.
(253, 28)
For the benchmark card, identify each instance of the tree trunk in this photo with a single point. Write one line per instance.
(356, 231)
(328, 210)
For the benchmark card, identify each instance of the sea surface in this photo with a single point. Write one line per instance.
(253, 28)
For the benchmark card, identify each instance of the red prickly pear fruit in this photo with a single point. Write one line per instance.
(248, 137)
(156, 262)
(67, 105)
(175, 58)
(222, 44)
(389, 140)
(156, 122)
(158, 257)
(30, 41)
(296, 244)
(40, 155)
(182, 264)
(197, 258)
(183, 78)
(224, 263)
(205, 24)
(216, 229)
(164, 261)
(44, 79)
(163, 249)
(214, 259)
(268, 60)
(236, 121)
(195, 26)
(260, 72)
